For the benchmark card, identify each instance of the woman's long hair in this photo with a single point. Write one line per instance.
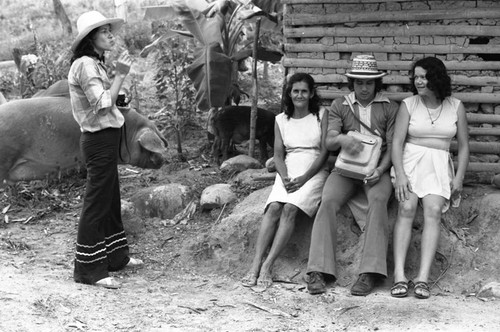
(86, 47)
(313, 102)
(437, 77)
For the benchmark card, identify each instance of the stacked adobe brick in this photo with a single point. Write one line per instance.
(322, 36)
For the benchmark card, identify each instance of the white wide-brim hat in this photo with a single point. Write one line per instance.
(89, 21)
(365, 67)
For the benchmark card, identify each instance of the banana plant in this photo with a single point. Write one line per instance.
(224, 40)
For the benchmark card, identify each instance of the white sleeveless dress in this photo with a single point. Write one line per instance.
(302, 141)
(430, 171)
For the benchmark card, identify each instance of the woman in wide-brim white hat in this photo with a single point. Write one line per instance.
(101, 244)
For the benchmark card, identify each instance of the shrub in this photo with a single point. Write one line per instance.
(173, 87)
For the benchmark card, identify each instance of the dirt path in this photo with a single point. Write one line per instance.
(37, 293)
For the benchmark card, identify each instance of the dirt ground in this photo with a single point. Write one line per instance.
(38, 223)
(37, 292)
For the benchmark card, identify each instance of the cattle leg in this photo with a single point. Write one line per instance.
(216, 149)
(263, 150)
(224, 147)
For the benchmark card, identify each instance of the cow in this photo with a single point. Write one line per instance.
(40, 137)
(231, 125)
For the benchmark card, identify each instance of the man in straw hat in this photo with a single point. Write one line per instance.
(366, 104)
(101, 244)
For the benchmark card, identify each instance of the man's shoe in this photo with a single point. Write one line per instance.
(364, 285)
(316, 283)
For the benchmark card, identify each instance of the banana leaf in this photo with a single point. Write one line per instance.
(211, 71)
(211, 75)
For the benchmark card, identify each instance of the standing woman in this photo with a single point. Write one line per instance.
(299, 155)
(101, 244)
(422, 166)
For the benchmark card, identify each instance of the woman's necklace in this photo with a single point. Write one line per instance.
(429, 113)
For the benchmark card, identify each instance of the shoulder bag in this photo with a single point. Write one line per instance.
(358, 166)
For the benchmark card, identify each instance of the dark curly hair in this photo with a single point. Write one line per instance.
(437, 77)
(378, 84)
(86, 47)
(313, 102)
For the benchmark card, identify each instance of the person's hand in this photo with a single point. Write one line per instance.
(402, 188)
(373, 177)
(351, 145)
(296, 184)
(123, 64)
(286, 182)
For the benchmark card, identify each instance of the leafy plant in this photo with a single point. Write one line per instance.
(43, 68)
(223, 42)
(173, 87)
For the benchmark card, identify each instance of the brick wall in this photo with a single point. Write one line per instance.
(323, 36)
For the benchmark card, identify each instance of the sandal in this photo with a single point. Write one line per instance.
(265, 281)
(108, 282)
(400, 288)
(249, 280)
(421, 290)
(134, 263)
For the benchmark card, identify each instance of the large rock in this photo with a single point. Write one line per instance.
(252, 177)
(161, 201)
(132, 223)
(467, 253)
(240, 163)
(230, 244)
(216, 196)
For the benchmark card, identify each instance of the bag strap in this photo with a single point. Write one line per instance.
(358, 119)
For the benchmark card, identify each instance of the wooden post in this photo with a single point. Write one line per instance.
(255, 97)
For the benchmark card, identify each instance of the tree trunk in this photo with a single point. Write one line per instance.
(63, 18)
(253, 113)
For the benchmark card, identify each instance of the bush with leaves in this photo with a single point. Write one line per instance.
(173, 87)
(51, 66)
(9, 84)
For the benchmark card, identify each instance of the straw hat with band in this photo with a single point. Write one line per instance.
(89, 21)
(365, 67)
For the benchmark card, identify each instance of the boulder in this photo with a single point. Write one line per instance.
(132, 223)
(216, 196)
(240, 163)
(467, 251)
(230, 244)
(161, 201)
(254, 176)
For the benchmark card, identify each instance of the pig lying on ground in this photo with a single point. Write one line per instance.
(232, 125)
(39, 137)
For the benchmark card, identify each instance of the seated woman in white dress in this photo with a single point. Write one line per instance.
(425, 125)
(300, 157)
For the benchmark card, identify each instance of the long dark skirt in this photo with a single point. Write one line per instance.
(101, 244)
